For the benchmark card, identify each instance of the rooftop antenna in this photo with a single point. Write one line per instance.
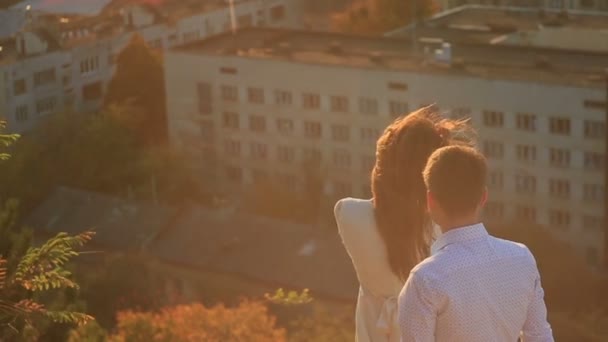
(232, 17)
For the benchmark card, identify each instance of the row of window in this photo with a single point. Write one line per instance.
(592, 129)
(309, 100)
(556, 218)
(558, 157)
(287, 154)
(312, 129)
(558, 187)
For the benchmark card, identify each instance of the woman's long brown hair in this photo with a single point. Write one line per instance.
(399, 193)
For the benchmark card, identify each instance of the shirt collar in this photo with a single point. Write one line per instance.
(462, 234)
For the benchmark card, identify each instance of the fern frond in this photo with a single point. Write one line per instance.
(3, 264)
(68, 317)
(41, 268)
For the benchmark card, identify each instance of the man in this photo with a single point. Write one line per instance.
(474, 287)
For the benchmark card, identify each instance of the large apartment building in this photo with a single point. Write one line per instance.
(53, 62)
(264, 101)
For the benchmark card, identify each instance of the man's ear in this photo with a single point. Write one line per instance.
(484, 198)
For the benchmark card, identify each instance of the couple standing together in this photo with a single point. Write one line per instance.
(427, 267)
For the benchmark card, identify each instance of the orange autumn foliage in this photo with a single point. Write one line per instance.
(250, 321)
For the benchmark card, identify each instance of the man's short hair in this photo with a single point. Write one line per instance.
(456, 178)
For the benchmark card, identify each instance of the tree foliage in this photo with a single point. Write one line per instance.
(40, 269)
(139, 84)
(380, 16)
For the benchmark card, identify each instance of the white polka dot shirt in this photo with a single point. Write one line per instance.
(474, 288)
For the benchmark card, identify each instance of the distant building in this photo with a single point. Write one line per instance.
(263, 101)
(51, 62)
(567, 5)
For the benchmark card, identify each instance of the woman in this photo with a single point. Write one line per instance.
(391, 233)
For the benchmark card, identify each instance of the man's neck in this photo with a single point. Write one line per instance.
(455, 224)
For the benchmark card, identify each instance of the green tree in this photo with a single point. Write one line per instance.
(38, 270)
(139, 83)
(380, 16)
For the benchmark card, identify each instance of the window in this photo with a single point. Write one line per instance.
(494, 210)
(311, 101)
(368, 106)
(230, 120)
(593, 224)
(525, 184)
(227, 70)
(258, 151)
(493, 149)
(288, 181)
(230, 93)
(232, 148)
(283, 97)
(594, 161)
(526, 122)
(559, 188)
(312, 129)
(460, 113)
(593, 193)
(397, 86)
(277, 13)
(285, 154)
(89, 65)
(559, 157)
(207, 131)
(259, 176)
(19, 87)
(367, 163)
(592, 256)
(21, 113)
(397, 108)
(339, 104)
(234, 174)
(594, 129)
(493, 119)
(526, 153)
(204, 98)
(341, 158)
(369, 134)
(44, 77)
(285, 126)
(342, 189)
(525, 213)
(46, 105)
(495, 180)
(255, 95)
(312, 154)
(559, 218)
(594, 104)
(340, 133)
(257, 123)
(92, 91)
(559, 126)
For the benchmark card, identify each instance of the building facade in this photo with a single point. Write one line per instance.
(265, 109)
(76, 57)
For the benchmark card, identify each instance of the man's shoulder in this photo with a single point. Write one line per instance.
(512, 248)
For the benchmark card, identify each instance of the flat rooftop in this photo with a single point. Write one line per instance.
(397, 53)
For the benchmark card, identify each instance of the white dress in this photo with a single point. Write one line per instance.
(376, 313)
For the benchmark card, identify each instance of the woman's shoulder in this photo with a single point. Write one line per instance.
(349, 206)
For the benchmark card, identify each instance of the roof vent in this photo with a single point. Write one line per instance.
(335, 48)
(376, 57)
(444, 54)
(284, 48)
(542, 62)
(458, 63)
